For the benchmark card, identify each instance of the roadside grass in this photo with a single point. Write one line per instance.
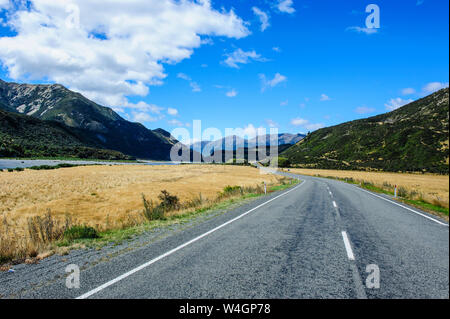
(48, 235)
(408, 197)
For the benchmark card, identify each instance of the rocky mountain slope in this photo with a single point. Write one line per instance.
(100, 124)
(414, 137)
(25, 136)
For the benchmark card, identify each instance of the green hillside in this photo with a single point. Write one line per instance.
(412, 138)
(24, 136)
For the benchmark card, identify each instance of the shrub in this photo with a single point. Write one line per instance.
(284, 162)
(168, 202)
(47, 229)
(80, 232)
(152, 211)
(195, 202)
(402, 192)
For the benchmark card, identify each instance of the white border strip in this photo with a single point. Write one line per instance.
(170, 252)
(348, 247)
(412, 210)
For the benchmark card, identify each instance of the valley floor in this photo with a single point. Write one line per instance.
(96, 195)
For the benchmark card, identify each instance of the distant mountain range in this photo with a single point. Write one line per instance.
(231, 143)
(414, 137)
(95, 126)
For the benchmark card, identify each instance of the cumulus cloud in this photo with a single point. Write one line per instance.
(434, 86)
(362, 30)
(266, 83)
(394, 104)
(232, 93)
(364, 110)
(263, 18)
(240, 56)
(286, 6)
(110, 49)
(324, 97)
(307, 124)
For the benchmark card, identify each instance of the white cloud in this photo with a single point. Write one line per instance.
(284, 103)
(250, 131)
(111, 49)
(241, 57)
(324, 97)
(286, 6)
(314, 126)
(172, 111)
(4, 4)
(232, 93)
(394, 104)
(278, 78)
(144, 107)
(184, 76)
(306, 124)
(175, 123)
(194, 85)
(263, 18)
(408, 91)
(364, 110)
(272, 124)
(276, 49)
(434, 86)
(362, 30)
(299, 122)
(142, 117)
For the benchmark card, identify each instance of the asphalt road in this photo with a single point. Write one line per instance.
(312, 241)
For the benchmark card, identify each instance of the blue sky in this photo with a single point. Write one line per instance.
(315, 63)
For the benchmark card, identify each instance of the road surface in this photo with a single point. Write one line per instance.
(321, 239)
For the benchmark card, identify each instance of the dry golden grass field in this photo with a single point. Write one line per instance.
(95, 195)
(431, 188)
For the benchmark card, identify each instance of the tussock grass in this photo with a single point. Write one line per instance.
(429, 188)
(425, 191)
(43, 210)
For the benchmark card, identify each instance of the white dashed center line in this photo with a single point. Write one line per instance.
(334, 204)
(348, 247)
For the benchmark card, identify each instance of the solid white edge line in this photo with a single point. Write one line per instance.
(334, 204)
(170, 252)
(348, 247)
(412, 210)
